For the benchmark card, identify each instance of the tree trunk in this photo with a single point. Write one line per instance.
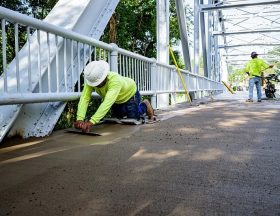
(112, 30)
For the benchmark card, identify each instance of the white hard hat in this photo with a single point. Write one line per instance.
(95, 72)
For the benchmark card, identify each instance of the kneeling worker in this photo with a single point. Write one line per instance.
(117, 92)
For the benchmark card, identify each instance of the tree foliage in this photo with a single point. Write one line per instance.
(237, 77)
(133, 26)
(41, 8)
(273, 53)
(15, 5)
(35, 8)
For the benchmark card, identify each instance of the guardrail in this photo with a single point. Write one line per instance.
(48, 66)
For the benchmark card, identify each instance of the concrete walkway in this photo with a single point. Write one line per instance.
(219, 158)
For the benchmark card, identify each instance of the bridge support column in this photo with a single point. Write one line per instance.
(163, 42)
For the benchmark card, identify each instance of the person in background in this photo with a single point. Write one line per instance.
(117, 92)
(254, 69)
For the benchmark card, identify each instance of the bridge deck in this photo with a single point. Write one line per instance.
(218, 158)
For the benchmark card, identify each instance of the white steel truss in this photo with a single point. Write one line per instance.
(244, 26)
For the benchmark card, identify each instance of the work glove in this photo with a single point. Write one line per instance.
(86, 126)
(78, 124)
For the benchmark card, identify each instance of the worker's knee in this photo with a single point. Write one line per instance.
(132, 110)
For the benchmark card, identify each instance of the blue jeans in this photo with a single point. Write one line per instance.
(252, 82)
(133, 108)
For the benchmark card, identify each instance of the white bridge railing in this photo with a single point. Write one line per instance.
(48, 67)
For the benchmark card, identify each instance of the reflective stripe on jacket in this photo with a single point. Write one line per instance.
(255, 67)
(118, 89)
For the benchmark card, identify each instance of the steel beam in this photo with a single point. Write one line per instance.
(246, 54)
(236, 64)
(216, 50)
(163, 42)
(196, 36)
(163, 31)
(221, 7)
(242, 60)
(246, 32)
(249, 44)
(210, 44)
(240, 16)
(224, 65)
(203, 41)
(183, 33)
(236, 18)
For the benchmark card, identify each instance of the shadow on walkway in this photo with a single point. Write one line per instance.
(219, 158)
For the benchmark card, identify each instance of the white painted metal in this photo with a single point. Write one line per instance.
(196, 35)
(204, 35)
(210, 44)
(163, 31)
(216, 50)
(163, 42)
(223, 66)
(180, 10)
(4, 58)
(248, 45)
(74, 21)
(246, 54)
(250, 26)
(247, 32)
(219, 6)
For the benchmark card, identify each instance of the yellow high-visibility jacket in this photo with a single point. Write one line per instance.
(255, 67)
(118, 89)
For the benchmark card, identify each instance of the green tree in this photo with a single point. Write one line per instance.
(237, 77)
(41, 8)
(275, 52)
(16, 5)
(133, 26)
(35, 8)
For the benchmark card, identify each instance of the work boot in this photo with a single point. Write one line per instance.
(249, 100)
(150, 110)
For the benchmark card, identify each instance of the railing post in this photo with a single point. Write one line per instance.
(114, 58)
(154, 83)
(172, 86)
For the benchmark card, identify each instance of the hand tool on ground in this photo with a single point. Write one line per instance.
(228, 87)
(78, 131)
